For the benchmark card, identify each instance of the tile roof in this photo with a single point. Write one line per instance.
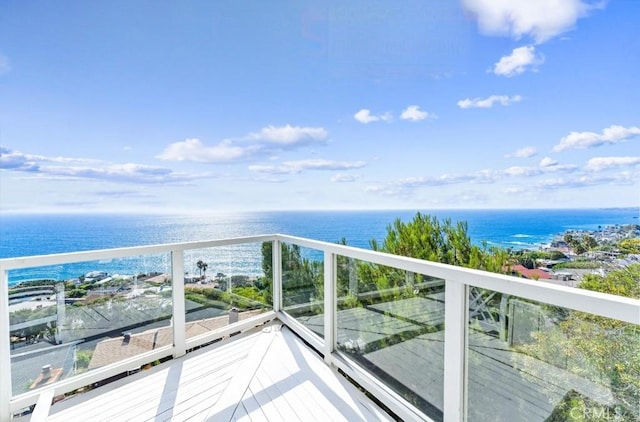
(533, 274)
(118, 349)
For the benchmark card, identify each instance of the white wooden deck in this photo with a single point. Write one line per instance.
(269, 375)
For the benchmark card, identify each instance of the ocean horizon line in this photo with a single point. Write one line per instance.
(44, 234)
(205, 212)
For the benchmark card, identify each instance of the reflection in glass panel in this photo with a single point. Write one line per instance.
(226, 284)
(71, 318)
(303, 285)
(528, 361)
(391, 321)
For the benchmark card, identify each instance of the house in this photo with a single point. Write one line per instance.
(129, 345)
(532, 274)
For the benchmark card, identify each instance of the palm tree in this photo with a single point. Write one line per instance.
(202, 267)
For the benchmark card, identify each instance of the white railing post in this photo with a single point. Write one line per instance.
(61, 321)
(179, 311)
(330, 310)
(5, 348)
(276, 267)
(455, 347)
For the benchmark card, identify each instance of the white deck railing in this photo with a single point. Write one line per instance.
(457, 280)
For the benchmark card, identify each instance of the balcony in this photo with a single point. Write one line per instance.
(296, 329)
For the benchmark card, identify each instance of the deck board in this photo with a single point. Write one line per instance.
(238, 379)
(252, 407)
(162, 389)
(284, 377)
(101, 407)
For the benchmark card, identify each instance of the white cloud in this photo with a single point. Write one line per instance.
(565, 168)
(603, 163)
(195, 150)
(297, 166)
(414, 113)
(270, 169)
(63, 160)
(577, 182)
(611, 135)
(488, 102)
(547, 162)
(520, 60)
(15, 160)
(123, 173)
(267, 140)
(290, 135)
(541, 179)
(525, 152)
(406, 185)
(522, 171)
(343, 178)
(97, 170)
(547, 165)
(365, 116)
(538, 19)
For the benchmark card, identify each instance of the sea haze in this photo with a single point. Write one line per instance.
(25, 235)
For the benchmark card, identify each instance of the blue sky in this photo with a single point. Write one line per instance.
(268, 105)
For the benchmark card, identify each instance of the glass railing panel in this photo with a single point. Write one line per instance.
(529, 361)
(391, 322)
(72, 318)
(226, 284)
(303, 285)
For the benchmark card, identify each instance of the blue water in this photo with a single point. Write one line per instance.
(45, 234)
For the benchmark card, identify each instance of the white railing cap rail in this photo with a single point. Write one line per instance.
(603, 304)
(72, 257)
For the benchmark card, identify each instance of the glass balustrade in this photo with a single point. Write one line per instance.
(303, 285)
(68, 319)
(529, 361)
(224, 285)
(523, 359)
(391, 322)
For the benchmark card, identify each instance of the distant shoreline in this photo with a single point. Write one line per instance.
(29, 235)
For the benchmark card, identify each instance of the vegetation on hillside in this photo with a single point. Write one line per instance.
(601, 350)
(426, 237)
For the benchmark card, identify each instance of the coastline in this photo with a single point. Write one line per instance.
(41, 235)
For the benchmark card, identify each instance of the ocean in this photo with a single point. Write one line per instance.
(25, 235)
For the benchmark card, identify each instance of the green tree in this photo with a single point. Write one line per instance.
(83, 357)
(589, 242)
(202, 267)
(623, 282)
(568, 238)
(630, 246)
(602, 350)
(302, 278)
(426, 237)
(527, 261)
